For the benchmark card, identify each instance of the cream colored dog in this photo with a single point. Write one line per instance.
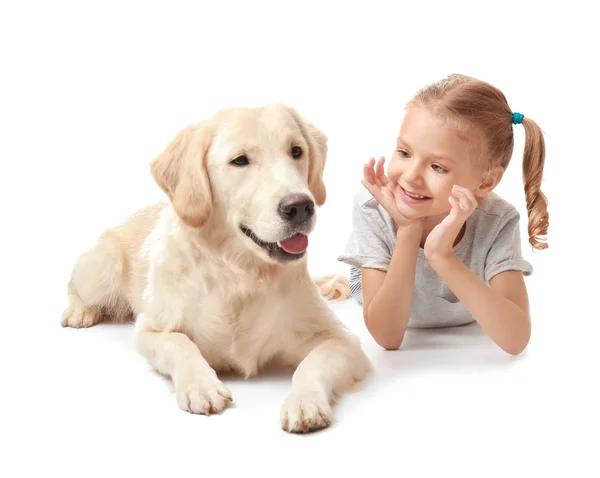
(216, 277)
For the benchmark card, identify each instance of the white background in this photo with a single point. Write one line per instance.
(92, 91)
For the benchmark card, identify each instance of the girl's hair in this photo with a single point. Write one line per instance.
(474, 105)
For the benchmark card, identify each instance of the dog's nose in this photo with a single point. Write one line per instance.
(296, 208)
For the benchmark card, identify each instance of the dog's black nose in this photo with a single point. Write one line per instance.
(296, 208)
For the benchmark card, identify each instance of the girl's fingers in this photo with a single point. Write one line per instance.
(370, 187)
(460, 200)
(387, 193)
(372, 169)
(455, 217)
(366, 178)
(377, 174)
(379, 170)
(377, 183)
(453, 202)
(368, 172)
(464, 198)
(375, 192)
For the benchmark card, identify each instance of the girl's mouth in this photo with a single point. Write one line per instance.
(412, 198)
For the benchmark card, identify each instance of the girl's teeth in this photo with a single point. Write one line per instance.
(416, 196)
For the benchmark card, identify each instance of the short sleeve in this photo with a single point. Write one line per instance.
(368, 244)
(505, 252)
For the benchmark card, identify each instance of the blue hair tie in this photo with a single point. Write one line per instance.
(517, 118)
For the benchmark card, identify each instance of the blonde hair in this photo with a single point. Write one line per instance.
(474, 105)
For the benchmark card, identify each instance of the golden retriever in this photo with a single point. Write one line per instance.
(216, 276)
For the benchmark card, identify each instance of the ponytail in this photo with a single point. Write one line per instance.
(533, 165)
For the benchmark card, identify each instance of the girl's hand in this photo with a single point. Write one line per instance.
(440, 242)
(382, 190)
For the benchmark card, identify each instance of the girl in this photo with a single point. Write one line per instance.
(432, 245)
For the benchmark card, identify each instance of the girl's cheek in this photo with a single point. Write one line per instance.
(441, 186)
(393, 174)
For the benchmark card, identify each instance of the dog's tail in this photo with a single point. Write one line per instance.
(333, 286)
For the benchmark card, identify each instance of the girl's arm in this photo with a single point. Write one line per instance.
(501, 309)
(387, 296)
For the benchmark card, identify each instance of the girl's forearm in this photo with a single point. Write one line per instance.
(504, 321)
(389, 310)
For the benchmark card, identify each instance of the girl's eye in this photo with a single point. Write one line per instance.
(240, 161)
(438, 169)
(403, 154)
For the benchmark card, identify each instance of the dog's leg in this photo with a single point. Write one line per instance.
(333, 365)
(95, 283)
(78, 314)
(197, 386)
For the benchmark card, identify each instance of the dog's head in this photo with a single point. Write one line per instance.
(257, 170)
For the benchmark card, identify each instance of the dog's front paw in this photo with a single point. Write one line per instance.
(201, 393)
(80, 316)
(305, 412)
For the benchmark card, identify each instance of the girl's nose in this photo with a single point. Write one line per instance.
(413, 174)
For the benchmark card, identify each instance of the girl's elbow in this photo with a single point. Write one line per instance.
(515, 349)
(385, 339)
(518, 344)
(384, 335)
(391, 345)
(390, 342)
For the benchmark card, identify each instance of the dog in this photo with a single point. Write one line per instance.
(215, 276)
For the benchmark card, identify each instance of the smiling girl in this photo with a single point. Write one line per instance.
(432, 245)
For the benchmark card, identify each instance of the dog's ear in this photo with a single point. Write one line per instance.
(317, 144)
(318, 154)
(180, 171)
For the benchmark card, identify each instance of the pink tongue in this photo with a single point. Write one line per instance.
(295, 244)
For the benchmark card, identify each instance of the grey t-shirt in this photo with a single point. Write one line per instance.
(491, 244)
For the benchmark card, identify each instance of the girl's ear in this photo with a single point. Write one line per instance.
(489, 181)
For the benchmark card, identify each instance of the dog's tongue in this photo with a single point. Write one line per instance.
(295, 244)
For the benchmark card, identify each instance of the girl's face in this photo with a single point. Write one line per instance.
(430, 157)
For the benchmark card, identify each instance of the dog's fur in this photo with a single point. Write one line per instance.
(205, 297)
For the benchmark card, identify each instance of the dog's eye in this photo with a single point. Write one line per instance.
(296, 152)
(240, 161)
